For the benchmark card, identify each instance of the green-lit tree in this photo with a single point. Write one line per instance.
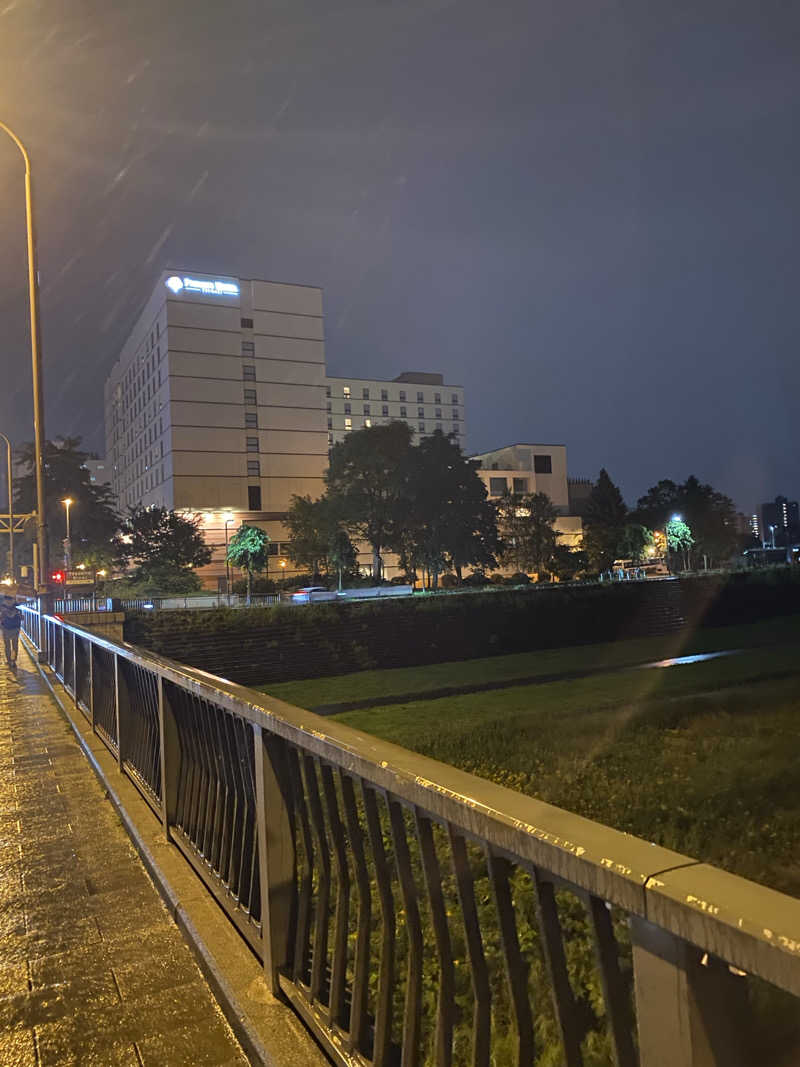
(248, 549)
(709, 514)
(604, 520)
(525, 524)
(164, 546)
(679, 538)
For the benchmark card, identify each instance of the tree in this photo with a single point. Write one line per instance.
(709, 514)
(525, 524)
(603, 522)
(93, 520)
(679, 538)
(567, 563)
(366, 484)
(446, 516)
(634, 542)
(248, 549)
(311, 527)
(164, 545)
(341, 555)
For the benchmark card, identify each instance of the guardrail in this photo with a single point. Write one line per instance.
(413, 913)
(66, 606)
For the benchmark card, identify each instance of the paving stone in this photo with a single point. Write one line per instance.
(94, 972)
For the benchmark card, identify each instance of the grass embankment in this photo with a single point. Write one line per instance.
(702, 758)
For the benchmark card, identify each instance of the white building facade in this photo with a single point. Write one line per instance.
(216, 404)
(423, 400)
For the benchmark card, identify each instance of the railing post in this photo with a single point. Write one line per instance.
(169, 755)
(91, 683)
(121, 700)
(275, 850)
(690, 1008)
(74, 667)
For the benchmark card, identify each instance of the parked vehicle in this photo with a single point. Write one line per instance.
(312, 594)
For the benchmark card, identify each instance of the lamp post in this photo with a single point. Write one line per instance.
(67, 502)
(10, 481)
(772, 532)
(228, 516)
(42, 578)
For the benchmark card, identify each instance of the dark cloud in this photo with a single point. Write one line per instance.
(586, 213)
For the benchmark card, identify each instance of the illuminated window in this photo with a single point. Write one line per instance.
(367, 422)
(348, 424)
(346, 391)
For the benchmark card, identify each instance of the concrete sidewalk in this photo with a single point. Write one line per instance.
(93, 971)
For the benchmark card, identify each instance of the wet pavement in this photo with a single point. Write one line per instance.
(92, 969)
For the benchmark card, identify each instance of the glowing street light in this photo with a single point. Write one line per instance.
(67, 502)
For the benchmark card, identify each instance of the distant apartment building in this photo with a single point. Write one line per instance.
(99, 472)
(780, 521)
(216, 404)
(422, 400)
(529, 468)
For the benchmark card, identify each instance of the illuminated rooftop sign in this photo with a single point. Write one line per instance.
(199, 285)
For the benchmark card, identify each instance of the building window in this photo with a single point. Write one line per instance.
(250, 396)
(252, 444)
(367, 423)
(247, 324)
(497, 486)
(365, 393)
(367, 410)
(330, 424)
(438, 413)
(347, 409)
(253, 468)
(455, 414)
(385, 410)
(520, 486)
(542, 464)
(327, 390)
(251, 420)
(420, 398)
(328, 408)
(454, 398)
(348, 424)
(438, 426)
(248, 372)
(437, 398)
(254, 498)
(346, 392)
(402, 413)
(422, 427)
(330, 440)
(248, 348)
(402, 394)
(384, 394)
(421, 413)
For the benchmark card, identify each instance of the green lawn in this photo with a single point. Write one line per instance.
(377, 685)
(703, 758)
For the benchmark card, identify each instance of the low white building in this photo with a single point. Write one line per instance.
(422, 400)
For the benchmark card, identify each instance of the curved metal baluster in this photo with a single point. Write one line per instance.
(339, 966)
(383, 1012)
(319, 958)
(617, 1000)
(553, 945)
(358, 1009)
(482, 1014)
(445, 1006)
(412, 1013)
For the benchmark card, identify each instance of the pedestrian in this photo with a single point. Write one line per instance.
(10, 622)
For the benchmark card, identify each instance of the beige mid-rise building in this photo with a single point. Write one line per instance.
(422, 400)
(216, 404)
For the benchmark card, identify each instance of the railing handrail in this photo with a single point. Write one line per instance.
(751, 926)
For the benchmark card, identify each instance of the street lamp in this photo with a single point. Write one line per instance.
(10, 481)
(67, 502)
(43, 576)
(772, 531)
(228, 516)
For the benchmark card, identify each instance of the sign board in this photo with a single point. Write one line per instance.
(206, 286)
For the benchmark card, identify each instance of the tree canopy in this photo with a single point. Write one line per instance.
(248, 549)
(164, 545)
(93, 520)
(604, 521)
(525, 524)
(709, 514)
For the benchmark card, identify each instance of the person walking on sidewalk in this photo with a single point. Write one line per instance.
(10, 622)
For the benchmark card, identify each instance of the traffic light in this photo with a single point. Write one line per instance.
(58, 576)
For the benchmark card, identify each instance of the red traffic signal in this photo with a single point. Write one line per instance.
(58, 576)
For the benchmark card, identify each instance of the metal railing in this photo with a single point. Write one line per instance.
(416, 914)
(66, 606)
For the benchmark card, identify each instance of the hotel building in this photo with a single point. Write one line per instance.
(216, 404)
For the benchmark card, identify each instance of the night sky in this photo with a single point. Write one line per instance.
(585, 212)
